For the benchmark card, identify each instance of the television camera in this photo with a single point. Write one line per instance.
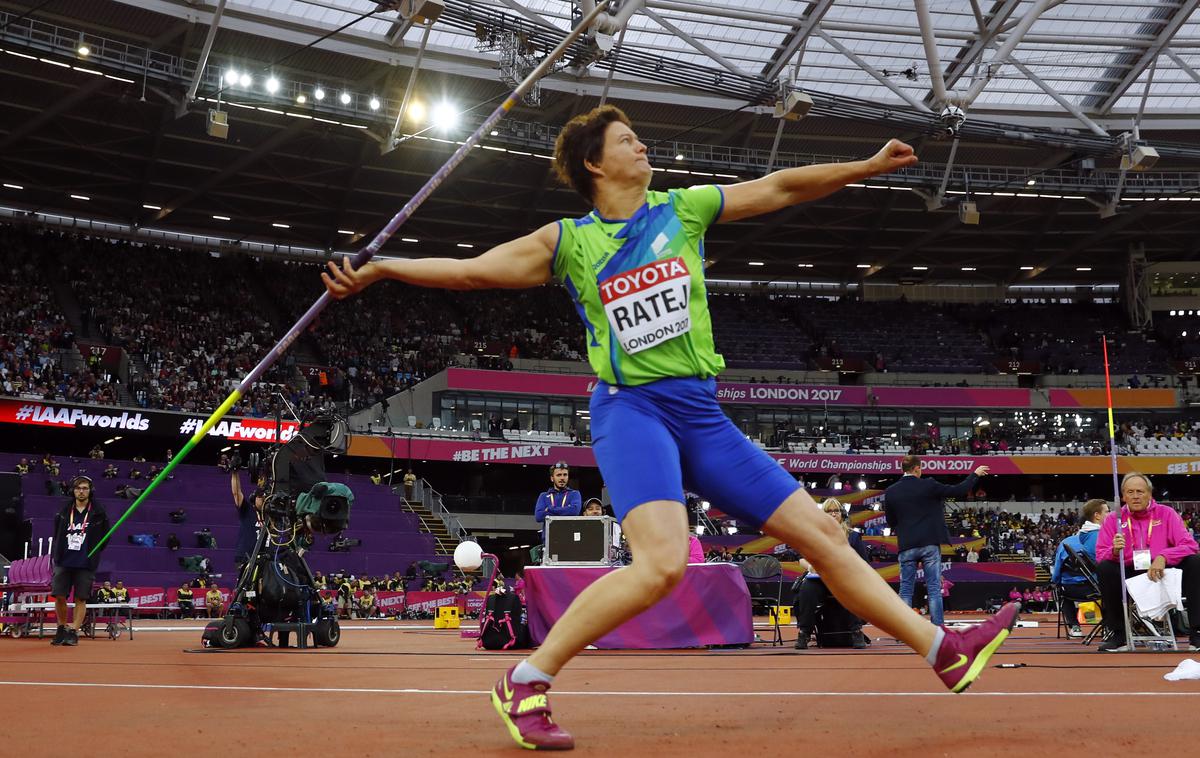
(275, 594)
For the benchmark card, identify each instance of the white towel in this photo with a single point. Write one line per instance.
(1187, 669)
(1154, 599)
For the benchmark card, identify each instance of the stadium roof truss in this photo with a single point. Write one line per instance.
(1050, 90)
(1087, 64)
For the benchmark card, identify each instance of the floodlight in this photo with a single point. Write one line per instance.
(444, 116)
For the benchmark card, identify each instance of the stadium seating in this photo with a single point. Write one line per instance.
(391, 539)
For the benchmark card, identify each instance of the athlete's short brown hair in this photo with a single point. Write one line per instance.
(1091, 508)
(582, 139)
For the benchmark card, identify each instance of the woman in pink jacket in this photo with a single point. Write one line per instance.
(1154, 538)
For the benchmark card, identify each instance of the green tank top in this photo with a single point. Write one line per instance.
(638, 286)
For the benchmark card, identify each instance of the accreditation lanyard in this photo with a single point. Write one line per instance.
(1149, 532)
(82, 527)
(550, 494)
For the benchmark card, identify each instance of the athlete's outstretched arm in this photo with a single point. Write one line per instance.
(520, 263)
(790, 186)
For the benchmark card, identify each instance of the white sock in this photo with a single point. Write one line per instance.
(938, 636)
(527, 673)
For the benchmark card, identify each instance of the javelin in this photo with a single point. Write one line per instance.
(361, 258)
(1112, 447)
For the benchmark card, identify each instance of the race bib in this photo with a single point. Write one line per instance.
(75, 541)
(648, 305)
(1141, 560)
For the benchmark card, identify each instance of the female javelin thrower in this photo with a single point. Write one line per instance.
(635, 268)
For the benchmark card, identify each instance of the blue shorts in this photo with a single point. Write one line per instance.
(653, 440)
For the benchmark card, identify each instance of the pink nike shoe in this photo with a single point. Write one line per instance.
(526, 713)
(963, 655)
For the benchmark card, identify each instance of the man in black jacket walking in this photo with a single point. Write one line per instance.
(77, 529)
(916, 511)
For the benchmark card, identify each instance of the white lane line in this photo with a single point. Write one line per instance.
(591, 693)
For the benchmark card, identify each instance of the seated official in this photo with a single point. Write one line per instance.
(812, 593)
(367, 606)
(120, 594)
(1153, 538)
(103, 593)
(212, 599)
(1072, 587)
(185, 601)
(593, 507)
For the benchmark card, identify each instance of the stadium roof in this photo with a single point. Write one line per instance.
(1050, 91)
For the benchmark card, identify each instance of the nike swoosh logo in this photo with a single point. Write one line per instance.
(508, 693)
(962, 661)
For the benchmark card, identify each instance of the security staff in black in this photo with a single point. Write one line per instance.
(78, 527)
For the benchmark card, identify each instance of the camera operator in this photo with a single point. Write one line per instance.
(249, 512)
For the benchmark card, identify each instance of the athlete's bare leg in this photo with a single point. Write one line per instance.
(801, 524)
(657, 532)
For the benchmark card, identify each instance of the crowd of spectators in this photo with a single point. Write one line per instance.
(194, 324)
(34, 333)
(1033, 536)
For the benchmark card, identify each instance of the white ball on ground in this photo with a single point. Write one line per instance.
(468, 556)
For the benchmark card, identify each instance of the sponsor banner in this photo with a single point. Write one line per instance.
(389, 602)
(891, 544)
(475, 602)
(240, 430)
(520, 382)
(1122, 398)
(430, 601)
(765, 544)
(960, 571)
(954, 571)
(126, 422)
(579, 385)
(469, 451)
(143, 597)
(790, 394)
(951, 397)
(40, 413)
